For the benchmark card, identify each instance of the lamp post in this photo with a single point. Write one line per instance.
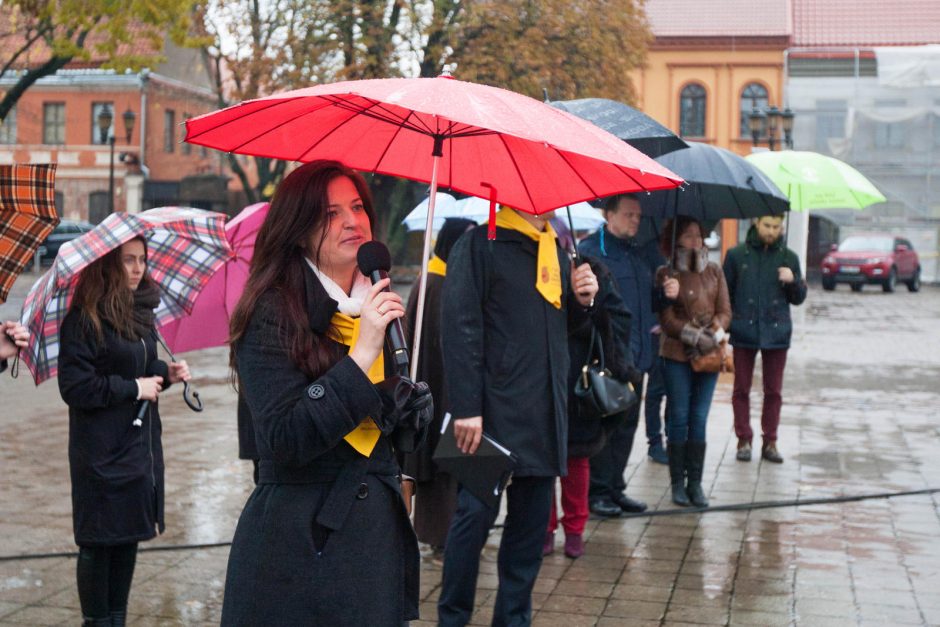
(761, 122)
(105, 117)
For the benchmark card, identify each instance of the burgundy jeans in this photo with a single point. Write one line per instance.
(574, 498)
(774, 361)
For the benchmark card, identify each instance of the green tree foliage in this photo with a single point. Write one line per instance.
(39, 37)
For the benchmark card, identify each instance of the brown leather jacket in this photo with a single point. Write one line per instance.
(703, 300)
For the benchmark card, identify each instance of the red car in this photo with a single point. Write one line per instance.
(877, 259)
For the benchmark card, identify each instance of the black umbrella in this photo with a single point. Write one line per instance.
(632, 126)
(719, 184)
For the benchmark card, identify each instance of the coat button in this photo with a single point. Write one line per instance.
(316, 391)
(363, 491)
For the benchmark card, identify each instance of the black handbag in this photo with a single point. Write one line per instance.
(599, 394)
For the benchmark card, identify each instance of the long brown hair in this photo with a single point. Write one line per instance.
(102, 293)
(297, 210)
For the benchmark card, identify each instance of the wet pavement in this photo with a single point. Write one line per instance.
(860, 418)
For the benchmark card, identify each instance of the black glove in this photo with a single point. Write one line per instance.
(406, 406)
(634, 377)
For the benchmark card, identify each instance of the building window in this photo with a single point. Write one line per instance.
(890, 134)
(53, 123)
(753, 97)
(8, 128)
(692, 111)
(187, 148)
(96, 109)
(169, 130)
(830, 122)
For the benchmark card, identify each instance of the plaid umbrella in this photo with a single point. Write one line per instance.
(184, 247)
(27, 216)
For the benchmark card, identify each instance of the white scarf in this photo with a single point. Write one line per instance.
(349, 304)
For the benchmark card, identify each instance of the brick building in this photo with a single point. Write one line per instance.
(56, 121)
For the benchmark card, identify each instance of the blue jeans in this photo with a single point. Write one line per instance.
(690, 397)
(655, 393)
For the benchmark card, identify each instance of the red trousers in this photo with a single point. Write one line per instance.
(774, 361)
(574, 498)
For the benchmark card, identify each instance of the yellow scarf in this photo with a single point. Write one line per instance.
(364, 437)
(437, 266)
(548, 274)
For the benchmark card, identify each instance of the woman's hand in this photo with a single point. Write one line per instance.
(13, 336)
(584, 284)
(150, 387)
(671, 288)
(179, 371)
(379, 308)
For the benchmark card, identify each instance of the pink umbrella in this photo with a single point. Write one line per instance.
(207, 324)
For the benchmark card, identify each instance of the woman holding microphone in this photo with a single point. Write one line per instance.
(324, 539)
(107, 365)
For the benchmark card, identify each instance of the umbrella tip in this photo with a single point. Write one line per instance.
(545, 94)
(446, 74)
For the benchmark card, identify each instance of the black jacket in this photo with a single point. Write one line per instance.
(633, 267)
(505, 347)
(116, 467)
(324, 538)
(760, 303)
(611, 319)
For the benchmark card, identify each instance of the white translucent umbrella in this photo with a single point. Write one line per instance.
(584, 216)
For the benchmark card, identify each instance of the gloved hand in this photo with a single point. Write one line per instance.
(706, 341)
(404, 404)
(690, 334)
(634, 377)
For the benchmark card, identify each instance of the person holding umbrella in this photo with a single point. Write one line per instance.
(436, 495)
(509, 303)
(764, 279)
(324, 538)
(692, 325)
(13, 336)
(107, 364)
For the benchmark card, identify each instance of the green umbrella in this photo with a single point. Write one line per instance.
(814, 181)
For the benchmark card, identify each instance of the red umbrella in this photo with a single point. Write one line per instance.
(471, 138)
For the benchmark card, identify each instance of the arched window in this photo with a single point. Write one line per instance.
(754, 96)
(692, 111)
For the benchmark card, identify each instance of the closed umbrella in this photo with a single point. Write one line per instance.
(184, 248)
(445, 206)
(27, 216)
(478, 140)
(623, 121)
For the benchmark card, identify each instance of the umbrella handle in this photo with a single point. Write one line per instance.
(191, 396)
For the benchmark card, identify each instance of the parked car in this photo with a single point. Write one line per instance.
(877, 259)
(66, 230)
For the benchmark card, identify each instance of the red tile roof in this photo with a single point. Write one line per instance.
(718, 18)
(865, 22)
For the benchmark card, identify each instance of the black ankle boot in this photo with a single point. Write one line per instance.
(119, 618)
(96, 622)
(694, 465)
(677, 454)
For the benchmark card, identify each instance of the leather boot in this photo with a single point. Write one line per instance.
(677, 455)
(96, 622)
(694, 465)
(119, 618)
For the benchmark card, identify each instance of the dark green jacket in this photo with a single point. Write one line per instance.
(759, 301)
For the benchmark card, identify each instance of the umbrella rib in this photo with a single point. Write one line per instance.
(239, 118)
(518, 171)
(388, 145)
(575, 170)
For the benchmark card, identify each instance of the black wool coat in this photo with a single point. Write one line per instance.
(506, 347)
(324, 538)
(116, 466)
(760, 303)
(612, 321)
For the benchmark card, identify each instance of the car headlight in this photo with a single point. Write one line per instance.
(828, 260)
(874, 260)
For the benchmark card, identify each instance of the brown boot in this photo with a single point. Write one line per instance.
(770, 453)
(744, 450)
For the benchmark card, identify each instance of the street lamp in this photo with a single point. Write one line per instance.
(105, 117)
(760, 122)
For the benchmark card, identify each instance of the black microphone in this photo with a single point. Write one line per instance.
(375, 261)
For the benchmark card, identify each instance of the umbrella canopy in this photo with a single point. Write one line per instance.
(184, 247)
(815, 181)
(721, 184)
(27, 216)
(623, 121)
(585, 216)
(478, 140)
(207, 324)
(445, 206)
